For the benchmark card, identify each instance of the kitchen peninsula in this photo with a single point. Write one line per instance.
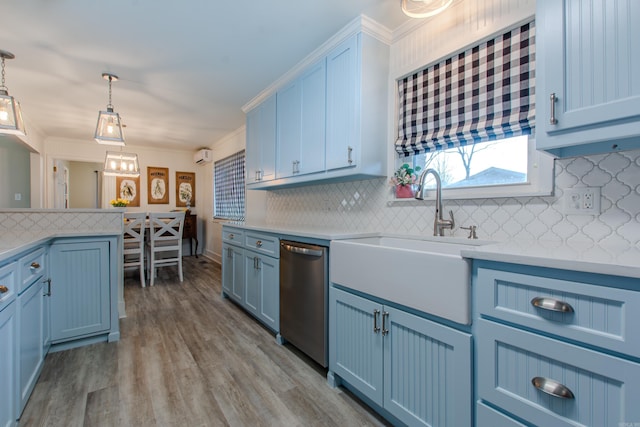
(60, 288)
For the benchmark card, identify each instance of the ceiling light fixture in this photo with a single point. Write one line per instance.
(109, 128)
(424, 8)
(10, 113)
(121, 164)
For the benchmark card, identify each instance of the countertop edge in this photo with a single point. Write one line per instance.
(44, 237)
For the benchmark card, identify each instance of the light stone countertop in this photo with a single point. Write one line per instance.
(573, 256)
(15, 242)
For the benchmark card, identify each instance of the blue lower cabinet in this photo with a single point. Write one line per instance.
(417, 370)
(8, 392)
(548, 382)
(80, 289)
(262, 288)
(30, 306)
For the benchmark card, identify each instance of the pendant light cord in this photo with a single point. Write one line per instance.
(2, 86)
(109, 105)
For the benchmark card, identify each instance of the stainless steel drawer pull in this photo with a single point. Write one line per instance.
(35, 265)
(385, 315)
(376, 328)
(259, 244)
(552, 109)
(3, 289)
(231, 236)
(552, 304)
(552, 387)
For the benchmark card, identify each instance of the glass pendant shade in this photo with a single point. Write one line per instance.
(121, 164)
(10, 115)
(109, 128)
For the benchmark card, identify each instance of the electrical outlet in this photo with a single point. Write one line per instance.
(17, 196)
(582, 201)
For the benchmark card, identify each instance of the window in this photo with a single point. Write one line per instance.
(470, 117)
(228, 187)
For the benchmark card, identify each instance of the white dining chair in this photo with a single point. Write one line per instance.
(133, 253)
(165, 242)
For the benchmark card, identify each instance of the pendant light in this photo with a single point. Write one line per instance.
(424, 8)
(109, 128)
(10, 113)
(121, 164)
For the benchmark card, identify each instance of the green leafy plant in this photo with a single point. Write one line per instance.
(405, 175)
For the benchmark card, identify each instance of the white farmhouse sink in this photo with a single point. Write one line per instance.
(428, 275)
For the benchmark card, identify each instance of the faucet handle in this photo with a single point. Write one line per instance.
(453, 221)
(472, 231)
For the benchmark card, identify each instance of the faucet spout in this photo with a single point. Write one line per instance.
(439, 223)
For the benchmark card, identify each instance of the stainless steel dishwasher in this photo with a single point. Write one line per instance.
(304, 298)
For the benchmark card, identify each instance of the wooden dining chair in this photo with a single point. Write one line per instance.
(165, 242)
(133, 253)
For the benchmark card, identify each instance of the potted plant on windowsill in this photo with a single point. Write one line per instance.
(404, 181)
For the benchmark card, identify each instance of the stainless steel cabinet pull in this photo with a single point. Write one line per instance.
(35, 265)
(552, 304)
(48, 293)
(295, 166)
(229, 253)
(259, 244)
(256, 263)
(376, 328)
(552, 387)
(231, 236)
(385, 315)
(349, 152)
(3, 289)
(552, 109)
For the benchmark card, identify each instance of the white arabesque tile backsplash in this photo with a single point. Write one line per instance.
(363, 205)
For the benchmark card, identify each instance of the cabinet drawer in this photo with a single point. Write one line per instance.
(601, 316)
(487, 416)
(605, 388)
(9, 281)
(233, 236)
(263, 243)
(32, 267)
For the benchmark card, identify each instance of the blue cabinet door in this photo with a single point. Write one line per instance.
(355, 342)
(80, 289)
(269, 310)
(8, 391)
(301, 123)
(312, 118)
(588, 61)
(233, 272)
(30, 338)
(427, 371)
(262, 290)
(261, 141)
(343, 118)
(252, 282)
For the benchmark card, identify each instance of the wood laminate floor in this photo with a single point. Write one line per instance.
(187, 357)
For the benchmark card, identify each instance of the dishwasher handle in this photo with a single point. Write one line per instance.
(302, 250)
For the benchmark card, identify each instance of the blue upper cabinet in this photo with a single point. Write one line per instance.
(588, 76)
(301, 123)
(261, 142)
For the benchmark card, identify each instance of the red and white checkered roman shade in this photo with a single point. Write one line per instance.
(482, 94)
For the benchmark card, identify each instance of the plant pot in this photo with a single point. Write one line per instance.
(405, 191)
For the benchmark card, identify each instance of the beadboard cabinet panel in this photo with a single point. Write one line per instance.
(80, 289)
(588, 76)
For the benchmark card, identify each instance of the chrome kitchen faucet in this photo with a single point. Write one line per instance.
(439, 223)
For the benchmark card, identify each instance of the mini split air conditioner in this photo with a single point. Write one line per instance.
(203, 156)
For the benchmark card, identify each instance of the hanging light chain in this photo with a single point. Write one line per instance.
(2, 86)
(110, 105)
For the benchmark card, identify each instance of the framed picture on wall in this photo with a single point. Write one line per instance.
(185, 189)
(128, 188)
(157, 186)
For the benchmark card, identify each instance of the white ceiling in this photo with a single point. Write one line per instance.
(186, 67)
